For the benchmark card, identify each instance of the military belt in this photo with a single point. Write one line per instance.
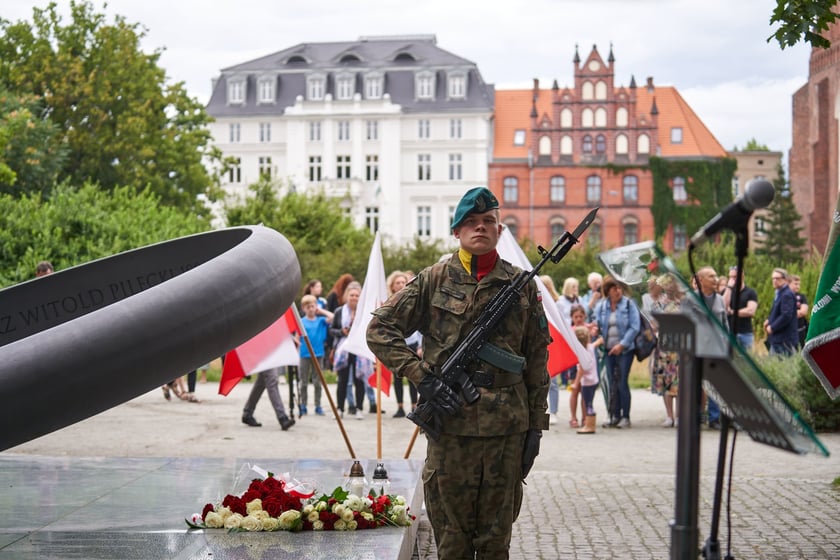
(490, 379)
(502, 359)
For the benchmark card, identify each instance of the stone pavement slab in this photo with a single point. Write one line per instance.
(608, 495)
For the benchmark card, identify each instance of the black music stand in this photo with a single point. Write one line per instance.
(710, 358)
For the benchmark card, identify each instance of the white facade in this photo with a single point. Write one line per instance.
(396, 168)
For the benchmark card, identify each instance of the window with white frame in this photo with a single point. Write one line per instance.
(372, 130)
(342, 167)
(423, 129)
(587, 91)
(236, 91)
(600, 117)
(454, 128)
(424, 167)
(736, 184)
(519, 137)
(643, 144)
(265, 90)
(314, 168)
(621, 144)
(680, 237)
(600, 144)
(424, 85)
(567, 147)
(457, 85)
(372, 218)
(314, 131)
(372, 167)
(593, 189)
(344, 87)
(760, 226)
(676, 135)
(631, 189)
(621, 117)
(558, 227)
(373, 86)
(510, 189)
(265, 132)
(680, 194)
(566, 118)
(424, 221)
(235, 171)
(586, 146)
(601, 90)
(593, 235)
(264, 167)
(587, 118)
(343, 131)
(315, 88)
(631, 232)
(455, 173)
(235, 130)
(557, 189)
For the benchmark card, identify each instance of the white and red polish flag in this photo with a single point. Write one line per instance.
(374, 293)
(565, 350)
(271, 348)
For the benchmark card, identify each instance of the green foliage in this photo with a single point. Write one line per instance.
(414, 257)
(783, 241)
(802, 19)
(75, 226)
(802, 390)
(30, 158)
(325, 239)
(752, 145)
(121, 125)
(708, 185)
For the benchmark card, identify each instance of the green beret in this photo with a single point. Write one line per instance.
(476, 201)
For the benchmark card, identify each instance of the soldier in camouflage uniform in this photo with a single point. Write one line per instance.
(473, 474)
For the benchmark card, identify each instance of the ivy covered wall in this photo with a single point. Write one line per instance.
(708, 185)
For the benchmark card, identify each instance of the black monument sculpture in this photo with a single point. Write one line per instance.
(85, 339)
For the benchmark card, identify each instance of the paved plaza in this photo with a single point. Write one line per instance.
(608, 495)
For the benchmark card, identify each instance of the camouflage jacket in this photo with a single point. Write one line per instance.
(443, 302)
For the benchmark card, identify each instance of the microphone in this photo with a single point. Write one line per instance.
(758, 194)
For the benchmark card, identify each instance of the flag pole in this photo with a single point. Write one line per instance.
(317, 366)
(411, 443)
(378, 410)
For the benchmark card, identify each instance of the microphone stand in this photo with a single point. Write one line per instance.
(711, 550)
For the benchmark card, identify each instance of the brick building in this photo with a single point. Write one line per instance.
(560, 151)
(814, 151)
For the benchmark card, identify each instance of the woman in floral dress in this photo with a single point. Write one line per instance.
(665, 373)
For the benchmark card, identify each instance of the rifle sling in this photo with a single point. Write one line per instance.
(502, 359)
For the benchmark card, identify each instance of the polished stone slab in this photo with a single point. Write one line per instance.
(98, 508)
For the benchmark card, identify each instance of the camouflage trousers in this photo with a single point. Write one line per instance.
(473, 492)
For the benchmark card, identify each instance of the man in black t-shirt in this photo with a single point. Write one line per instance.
(801, 309)
(748, 304)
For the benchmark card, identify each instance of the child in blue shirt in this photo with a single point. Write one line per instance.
(316, 321)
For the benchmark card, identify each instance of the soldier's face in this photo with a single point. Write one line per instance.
(479, 233)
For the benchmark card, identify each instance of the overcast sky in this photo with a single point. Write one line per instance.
(713, 51)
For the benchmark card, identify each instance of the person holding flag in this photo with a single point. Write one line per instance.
(474, 472)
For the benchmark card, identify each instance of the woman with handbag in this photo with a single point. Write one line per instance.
(619, 323)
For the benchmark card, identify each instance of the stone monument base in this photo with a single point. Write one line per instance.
(98, 508)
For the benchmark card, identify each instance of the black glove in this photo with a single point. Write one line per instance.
(439, 395)
(530, 451)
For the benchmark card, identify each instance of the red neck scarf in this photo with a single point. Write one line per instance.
(478, 266)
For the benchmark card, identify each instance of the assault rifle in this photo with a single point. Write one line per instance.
(454, 371)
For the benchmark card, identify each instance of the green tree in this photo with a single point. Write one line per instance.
(803, 20)
(783, 241)
(121, 123)
(75, 226)
(32, 161)
(753, 146)
(325, 239)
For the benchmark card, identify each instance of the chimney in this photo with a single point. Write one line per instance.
(650, 84)
(536, 84)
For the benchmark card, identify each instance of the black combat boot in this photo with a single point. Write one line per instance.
(251, 421)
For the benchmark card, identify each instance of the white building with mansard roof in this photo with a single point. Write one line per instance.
(397, 127)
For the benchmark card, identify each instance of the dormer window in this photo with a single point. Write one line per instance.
(457, 82)
(373, 86)
(344, 87)
(236, 91)
(424, 85)
(265, 90)
(315, 87)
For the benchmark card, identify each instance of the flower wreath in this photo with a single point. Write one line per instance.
(273, 505)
